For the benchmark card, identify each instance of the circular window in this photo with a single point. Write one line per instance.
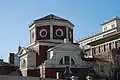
(59, 32)
(43, 32)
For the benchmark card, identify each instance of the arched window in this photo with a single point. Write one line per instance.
(66, 60)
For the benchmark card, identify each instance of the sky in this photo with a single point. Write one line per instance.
(16, 15)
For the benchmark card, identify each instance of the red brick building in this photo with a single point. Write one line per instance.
(51, 49)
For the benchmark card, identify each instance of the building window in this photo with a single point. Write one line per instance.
(110, 48)
(116, 43)
(104, 48)
(66, 60)
(107, 47)
(113, 25)
(93, 50)
(99, 49)
(105, 28)
(113, 45)
(61, 61)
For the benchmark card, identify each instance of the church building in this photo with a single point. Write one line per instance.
(51, 49)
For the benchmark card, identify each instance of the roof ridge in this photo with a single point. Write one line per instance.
(51, 16)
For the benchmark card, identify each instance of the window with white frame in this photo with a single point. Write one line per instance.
(99, 49)
(113, 25)
(67, 60)
(23, 63)
(110, 46)
(105, 28)
(116, 44)
(104, 47)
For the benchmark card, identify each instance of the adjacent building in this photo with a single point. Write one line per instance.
(107, 28)
(104, 48)
(9, 69)
(14, 58)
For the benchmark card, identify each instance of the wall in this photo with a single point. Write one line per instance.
(16, 60)
(31, 59)
(43, 23)
(109, 25)
(118, 25)
(11, 58)
(66, 50)
(6, 77)
(23, 58)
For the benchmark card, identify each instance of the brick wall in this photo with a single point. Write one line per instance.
(11, 58)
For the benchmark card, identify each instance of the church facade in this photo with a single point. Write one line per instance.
(51, 49)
